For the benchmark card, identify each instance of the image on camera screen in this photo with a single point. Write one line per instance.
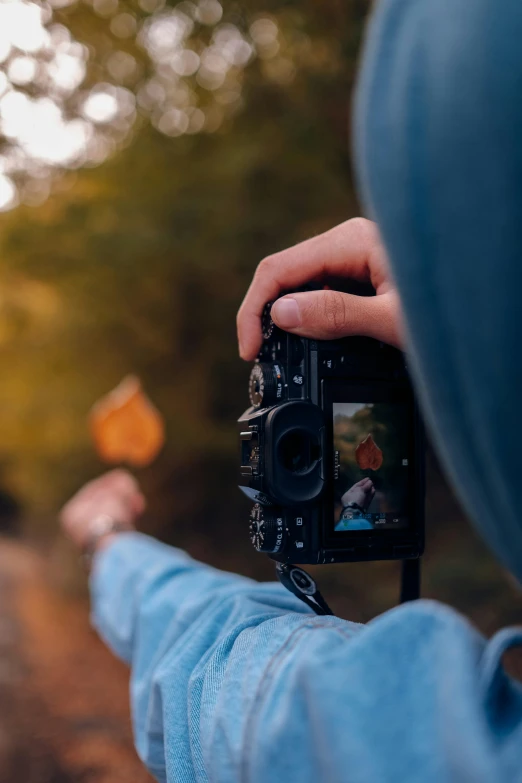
(371, 465)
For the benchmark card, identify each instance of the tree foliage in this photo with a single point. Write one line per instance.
(139, 264)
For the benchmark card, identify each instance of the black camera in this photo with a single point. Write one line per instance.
(332, 451)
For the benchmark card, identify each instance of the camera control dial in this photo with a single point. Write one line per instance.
(267, 529)
(266, 385)
(267, 325)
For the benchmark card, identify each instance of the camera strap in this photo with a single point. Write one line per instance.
(303, 586)
(410, 580)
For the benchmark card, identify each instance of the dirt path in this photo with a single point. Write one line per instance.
(64, 712)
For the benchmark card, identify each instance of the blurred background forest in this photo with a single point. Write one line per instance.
(150, 156)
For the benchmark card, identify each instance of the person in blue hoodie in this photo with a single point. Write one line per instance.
(238, 681)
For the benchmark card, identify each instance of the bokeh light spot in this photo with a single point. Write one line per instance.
(105, 7)
(123, 25)
(22, 70)
(100, 106)
(8, 194)
(209, 12)
(185, 62)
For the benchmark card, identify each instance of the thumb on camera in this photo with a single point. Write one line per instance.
(328, 315)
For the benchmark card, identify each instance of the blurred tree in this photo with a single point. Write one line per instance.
(139, 264)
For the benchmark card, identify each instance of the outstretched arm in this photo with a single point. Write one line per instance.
(202, 645)
(236, 681)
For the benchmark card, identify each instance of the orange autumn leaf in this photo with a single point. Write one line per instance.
(126, 426)
(368, 455)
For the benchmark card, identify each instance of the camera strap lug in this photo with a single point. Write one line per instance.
(303, 586)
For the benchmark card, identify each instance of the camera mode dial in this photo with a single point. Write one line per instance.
(266, 385)
(267, 325)
(267, 528)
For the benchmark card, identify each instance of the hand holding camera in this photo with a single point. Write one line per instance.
(332, 445)
(351, 250)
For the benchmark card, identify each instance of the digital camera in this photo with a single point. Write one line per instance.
(332, 451)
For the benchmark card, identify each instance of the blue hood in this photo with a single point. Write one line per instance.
(438, 134)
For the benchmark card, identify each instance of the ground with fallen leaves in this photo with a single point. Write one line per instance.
(64, 710)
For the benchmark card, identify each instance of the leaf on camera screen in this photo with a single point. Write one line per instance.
(368, 455)
(126, 426)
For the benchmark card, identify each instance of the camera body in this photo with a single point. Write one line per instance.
(332, 451)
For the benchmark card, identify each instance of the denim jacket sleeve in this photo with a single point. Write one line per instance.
(236, 681)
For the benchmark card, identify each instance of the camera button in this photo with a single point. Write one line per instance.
(329, 363)
(299, 532)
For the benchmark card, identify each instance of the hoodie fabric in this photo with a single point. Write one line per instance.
(237, 681)
(439, 152)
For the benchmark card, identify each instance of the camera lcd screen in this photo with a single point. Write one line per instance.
(371, 465)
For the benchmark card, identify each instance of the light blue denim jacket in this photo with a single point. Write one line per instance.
(237, 681)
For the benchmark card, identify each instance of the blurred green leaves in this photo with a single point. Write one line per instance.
(139, 264)
(77, 79)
